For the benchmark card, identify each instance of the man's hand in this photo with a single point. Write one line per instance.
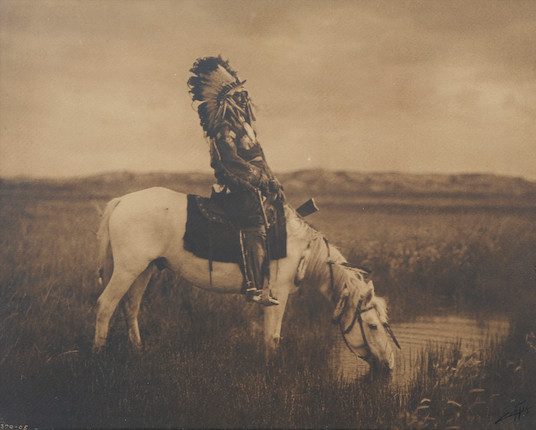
(263, 183)
(276, 188)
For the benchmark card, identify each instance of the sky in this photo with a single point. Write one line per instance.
(88, 87)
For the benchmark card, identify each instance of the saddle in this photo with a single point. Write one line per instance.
(211, 235)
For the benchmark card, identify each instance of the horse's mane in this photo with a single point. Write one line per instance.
(322, 252)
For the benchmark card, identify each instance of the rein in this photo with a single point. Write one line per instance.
(357, 314)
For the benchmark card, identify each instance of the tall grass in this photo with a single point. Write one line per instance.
(476, 261)
(203, 365)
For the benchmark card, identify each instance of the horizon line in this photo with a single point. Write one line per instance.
(26, 177)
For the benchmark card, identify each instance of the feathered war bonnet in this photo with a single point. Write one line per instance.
(213, 84)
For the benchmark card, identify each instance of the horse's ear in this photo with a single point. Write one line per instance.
(369, 295)
(339, 308)
(360, 269)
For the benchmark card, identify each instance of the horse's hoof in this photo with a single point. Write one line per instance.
(97, 349)
(136, 348)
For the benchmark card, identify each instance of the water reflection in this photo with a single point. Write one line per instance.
(465, 332)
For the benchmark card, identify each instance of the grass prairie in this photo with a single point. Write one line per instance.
(202, 365)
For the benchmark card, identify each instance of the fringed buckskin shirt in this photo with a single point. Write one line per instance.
(239, 162)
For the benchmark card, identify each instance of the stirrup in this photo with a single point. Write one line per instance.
(253, 291)
(264, 300)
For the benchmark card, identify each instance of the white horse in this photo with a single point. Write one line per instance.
(146, 227)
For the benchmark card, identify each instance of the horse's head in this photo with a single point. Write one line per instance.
(362, 318)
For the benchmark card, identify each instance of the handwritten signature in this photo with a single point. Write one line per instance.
(521, 409)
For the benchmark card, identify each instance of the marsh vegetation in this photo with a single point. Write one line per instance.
(202, 365)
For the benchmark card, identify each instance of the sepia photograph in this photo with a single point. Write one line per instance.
(267, 214)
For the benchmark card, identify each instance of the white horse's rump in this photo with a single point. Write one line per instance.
(147, 226)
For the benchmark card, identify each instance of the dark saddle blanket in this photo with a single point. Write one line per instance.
(210, 235)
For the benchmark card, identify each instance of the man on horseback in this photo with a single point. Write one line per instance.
(243, 175)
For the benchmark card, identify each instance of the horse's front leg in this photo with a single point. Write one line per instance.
(273, 317)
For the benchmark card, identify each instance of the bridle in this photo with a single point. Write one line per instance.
(357, 315)
(357, 318)
(344, 332)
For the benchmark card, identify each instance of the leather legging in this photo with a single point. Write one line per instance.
(257, 269)
(245, 212)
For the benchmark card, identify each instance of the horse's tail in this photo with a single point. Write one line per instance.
(105, 258)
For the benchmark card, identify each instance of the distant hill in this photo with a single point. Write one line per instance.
(406, 184)
(313, 182)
